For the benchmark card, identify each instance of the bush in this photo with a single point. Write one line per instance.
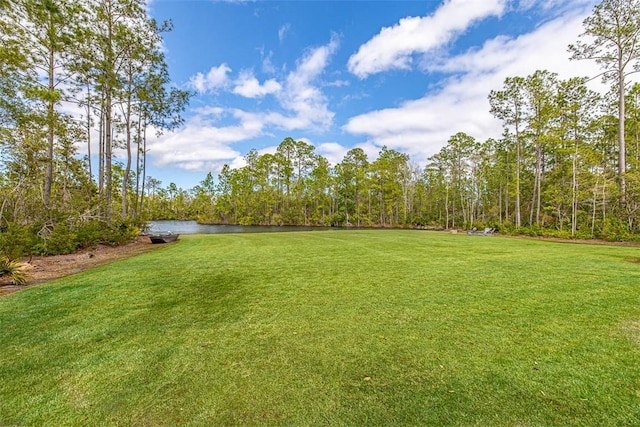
(61, 240)
(558, 234)
(17, 241)
(89, 233)
(120, 234)
(583, 234)
(615, 230)
(16, 270)
(532, 231)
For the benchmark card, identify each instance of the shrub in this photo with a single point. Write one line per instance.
(530, 230)
(558, 234)
(16, 270)
(89, 233)
(584, 234)
(121, 234)
(16, 241)
(616, 230)
(61, 240)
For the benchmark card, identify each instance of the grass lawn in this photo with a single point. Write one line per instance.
(352, 328)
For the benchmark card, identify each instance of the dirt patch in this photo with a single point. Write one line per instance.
(632, 330)
(44, 269)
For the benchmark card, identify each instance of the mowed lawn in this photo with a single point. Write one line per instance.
(336, 328)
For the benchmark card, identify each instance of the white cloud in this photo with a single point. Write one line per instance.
(200, 145)
(303, 104)
(421, 127)
(267, 65)
(247, 85)
(215, 79)
(282, 31)
(301, 96)
(559, 6)
(205, 142)
(332, 151)
(394, 47)
(544, 48)
(209, 110)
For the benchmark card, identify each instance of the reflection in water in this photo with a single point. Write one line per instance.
(192, 227)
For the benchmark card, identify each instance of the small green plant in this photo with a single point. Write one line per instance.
(121, 234)
(16, 270)
(89, 233)
(16, 241)
(61, 240)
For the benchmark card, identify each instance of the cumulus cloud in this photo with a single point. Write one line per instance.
(332, 151)
(247, 85)
(421, 127)
(302, 96)
(201, 145)
(394, 47)
(335, 152)
(206, 140)
(544, 48)
(215, 79)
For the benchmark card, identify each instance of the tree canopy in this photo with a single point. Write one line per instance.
(104, 60)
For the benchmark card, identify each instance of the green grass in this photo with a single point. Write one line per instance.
(375, 327)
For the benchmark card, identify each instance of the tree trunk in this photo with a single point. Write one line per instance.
(89, 133)
(574, 189)
(518, 160)
(48, 180)
(108, 157)
(622, 149)
(127, 170)
(101, 150)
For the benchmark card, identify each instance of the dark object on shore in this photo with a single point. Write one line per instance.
(486, 232)
(163, 237)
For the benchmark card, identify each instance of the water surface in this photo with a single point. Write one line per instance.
(192, 227)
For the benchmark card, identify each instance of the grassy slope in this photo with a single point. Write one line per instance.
(368, 327)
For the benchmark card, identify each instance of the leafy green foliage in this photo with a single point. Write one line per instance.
(16, 241)
(616, 230)
(107, 52)
(63, 238)
(121, 234)
(612, 35)
(89, 233)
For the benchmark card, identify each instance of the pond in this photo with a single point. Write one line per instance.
(192, 227)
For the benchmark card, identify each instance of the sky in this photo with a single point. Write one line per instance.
(343, 74)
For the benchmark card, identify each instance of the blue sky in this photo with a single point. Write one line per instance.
(344, 74)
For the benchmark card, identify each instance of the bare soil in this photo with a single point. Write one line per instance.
(45, 268)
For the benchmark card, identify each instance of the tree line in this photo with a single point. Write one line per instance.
(566, 163)
(78, 72)
(558, 177)
(93, 73)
